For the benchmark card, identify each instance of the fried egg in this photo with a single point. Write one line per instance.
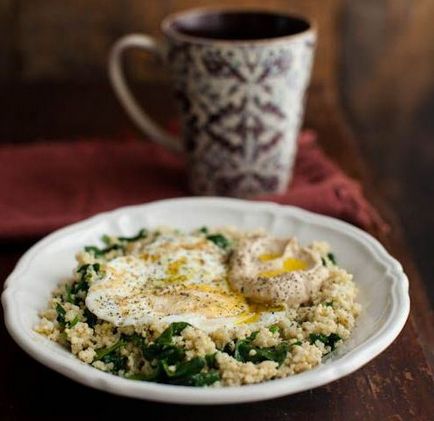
(175, 278)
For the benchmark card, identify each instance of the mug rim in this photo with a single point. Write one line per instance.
(169, 31)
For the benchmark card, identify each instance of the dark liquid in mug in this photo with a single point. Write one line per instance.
(238, 25)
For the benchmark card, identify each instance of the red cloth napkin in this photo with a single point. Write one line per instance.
(44, 186)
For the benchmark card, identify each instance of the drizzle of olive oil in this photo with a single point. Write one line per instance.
(255, 311)
(247, 317)
(289, 265)
(269, 256)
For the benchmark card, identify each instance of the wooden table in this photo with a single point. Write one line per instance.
(397, 385)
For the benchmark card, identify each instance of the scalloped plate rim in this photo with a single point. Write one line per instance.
(323, 374)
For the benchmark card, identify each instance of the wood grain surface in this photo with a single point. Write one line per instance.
(397, 385)
(70, 40)
(380, 52)
(375, 57)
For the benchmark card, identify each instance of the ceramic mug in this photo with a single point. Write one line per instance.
(240, 76)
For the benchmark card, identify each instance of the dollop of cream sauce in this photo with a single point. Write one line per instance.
(275, 271)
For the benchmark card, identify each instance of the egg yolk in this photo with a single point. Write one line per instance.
(288, 265)
(255, 311)
(247, 317)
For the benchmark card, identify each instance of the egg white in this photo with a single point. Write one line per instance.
(175, 278)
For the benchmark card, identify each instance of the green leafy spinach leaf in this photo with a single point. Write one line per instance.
(82, 285)
(274, 329)
(202, 379)
(111, 355)
(245, 351)
(332, 258)
(169, 362)
(327, 340)
(211, 361)
(219, 240)
(102, 352)
(91, 319)
(101, 252)
(97, 252)
(163, 348)
(61, 312)
(185, 368)
(143, 233)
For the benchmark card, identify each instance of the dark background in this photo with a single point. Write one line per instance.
(375, 57)
(372, 102)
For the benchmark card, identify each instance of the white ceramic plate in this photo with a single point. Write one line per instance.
(381, 281)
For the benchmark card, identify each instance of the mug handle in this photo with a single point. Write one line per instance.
(136, 113)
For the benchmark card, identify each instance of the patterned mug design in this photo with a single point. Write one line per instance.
(242, 105)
